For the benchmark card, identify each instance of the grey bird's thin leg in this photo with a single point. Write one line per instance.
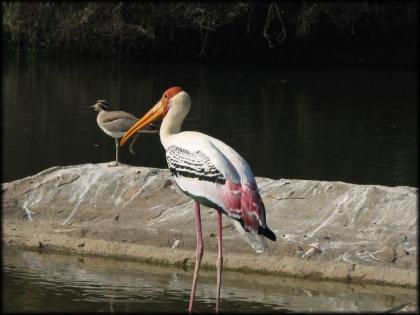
(219, 263)
(132, 144)
(198, 253)
(116, 153)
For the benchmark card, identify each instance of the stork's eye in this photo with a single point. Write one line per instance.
(165, 95)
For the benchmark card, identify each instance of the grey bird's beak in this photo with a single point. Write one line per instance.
(95, 107)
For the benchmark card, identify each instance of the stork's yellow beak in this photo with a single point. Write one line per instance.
(156, 112)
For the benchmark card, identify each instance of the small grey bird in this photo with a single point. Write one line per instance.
(115, 123)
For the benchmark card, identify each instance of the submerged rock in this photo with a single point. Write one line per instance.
(353, 225)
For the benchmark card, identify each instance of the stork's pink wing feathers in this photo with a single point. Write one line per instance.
(244, 201)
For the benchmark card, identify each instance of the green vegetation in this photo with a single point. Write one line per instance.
(211, 30)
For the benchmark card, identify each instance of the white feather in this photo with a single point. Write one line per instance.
(256, 241)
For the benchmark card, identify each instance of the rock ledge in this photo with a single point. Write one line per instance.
(325, 230)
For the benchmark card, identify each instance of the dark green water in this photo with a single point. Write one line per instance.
(52, 282)
(357, 125)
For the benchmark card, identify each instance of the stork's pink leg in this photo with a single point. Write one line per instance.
(198, 253)
(219, 264)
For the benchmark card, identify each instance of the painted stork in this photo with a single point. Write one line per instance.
(116, 123)
(212, 174)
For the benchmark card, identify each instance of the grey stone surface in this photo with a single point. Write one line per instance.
(359, 228)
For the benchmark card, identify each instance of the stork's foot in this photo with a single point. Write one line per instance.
(113, 164)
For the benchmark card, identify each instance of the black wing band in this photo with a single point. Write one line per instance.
(193, 164)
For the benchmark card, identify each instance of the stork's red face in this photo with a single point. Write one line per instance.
(167, 95)
(158, 111)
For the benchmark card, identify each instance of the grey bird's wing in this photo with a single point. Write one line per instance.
(117, 121)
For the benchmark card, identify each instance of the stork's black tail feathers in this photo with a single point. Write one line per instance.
(266, 230)
(267, 233)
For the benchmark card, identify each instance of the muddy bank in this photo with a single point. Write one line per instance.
(325, 230)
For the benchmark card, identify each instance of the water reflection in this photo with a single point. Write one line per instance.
(348, 124)
(42, 281)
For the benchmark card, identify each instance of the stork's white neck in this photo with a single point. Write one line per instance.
(179, 106)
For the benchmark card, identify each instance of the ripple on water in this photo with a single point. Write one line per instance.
(48, 282)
